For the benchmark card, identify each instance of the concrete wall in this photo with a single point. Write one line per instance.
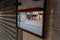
(22, 35)
(53, 20)
(28, 36)
(56, 21)
(30, 4)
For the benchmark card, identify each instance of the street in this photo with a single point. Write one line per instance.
(32, 26)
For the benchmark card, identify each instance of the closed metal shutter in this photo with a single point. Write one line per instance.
(8, 30)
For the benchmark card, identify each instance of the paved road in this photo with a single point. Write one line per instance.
(33, 26)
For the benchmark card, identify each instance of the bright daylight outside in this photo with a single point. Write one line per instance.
(31, 21)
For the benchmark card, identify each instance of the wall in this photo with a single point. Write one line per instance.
(30, 4)
(22, 35)
(49, 19)
(56, 22)
(53, 21)
(28, 36)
